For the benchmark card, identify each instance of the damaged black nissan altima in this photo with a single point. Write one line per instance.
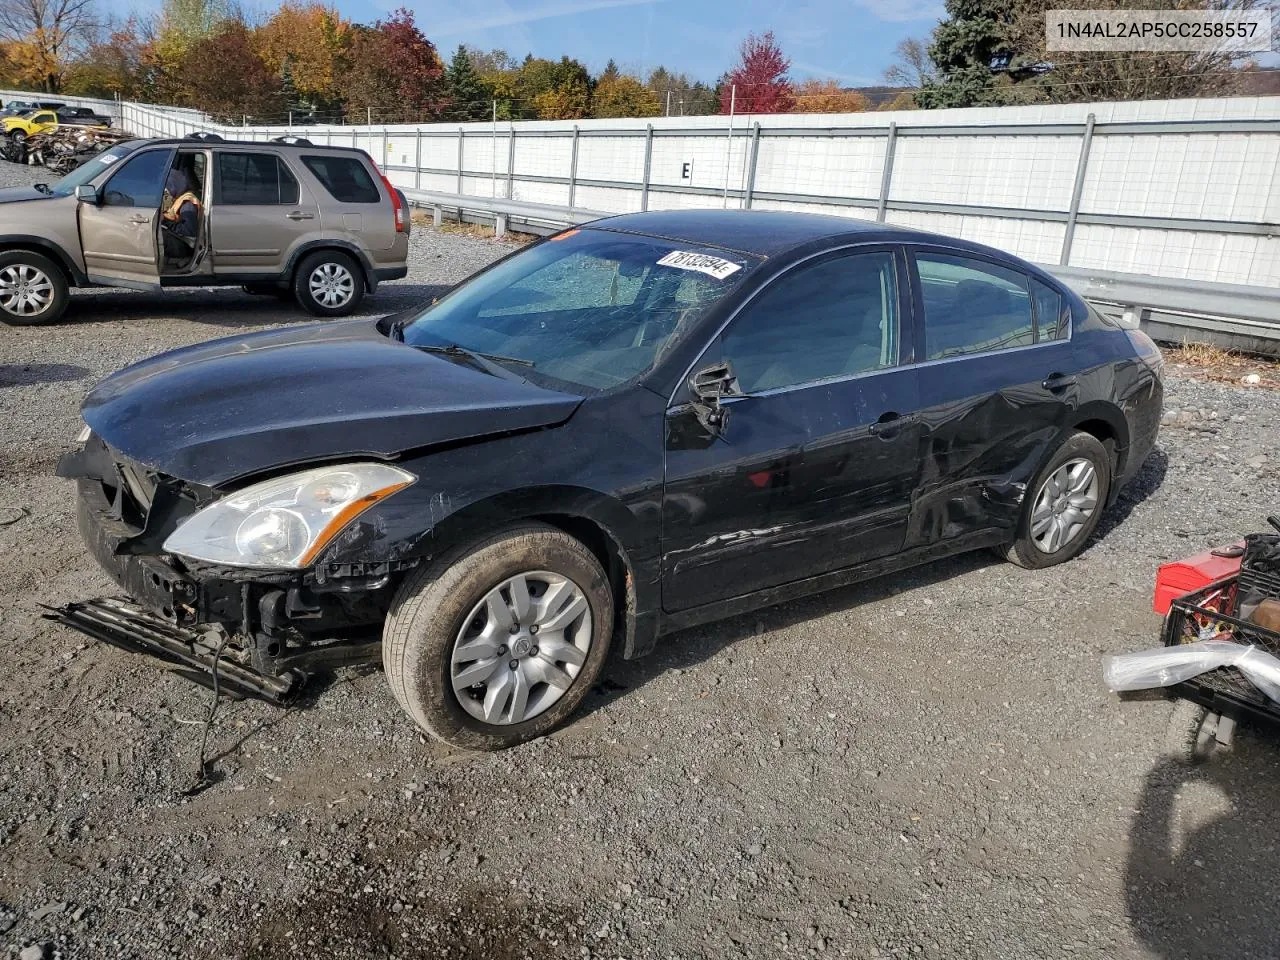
(649, 422)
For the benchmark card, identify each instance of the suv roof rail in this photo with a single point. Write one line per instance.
(296, 141)
(202, 135)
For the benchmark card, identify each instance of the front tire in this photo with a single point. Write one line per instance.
(1064, 504)
(497, 643)
(328, 284)
(33, 289)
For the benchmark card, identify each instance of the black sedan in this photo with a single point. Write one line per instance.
(650, 422)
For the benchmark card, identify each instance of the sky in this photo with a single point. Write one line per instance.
(850, 41)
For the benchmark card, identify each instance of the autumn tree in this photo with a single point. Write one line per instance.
(304, 44)
(225, 77)
(621, 95)
(827, 96)
(468, 98)
(42, 35)
(554, 90)
(111, 65)
(394, 72)
(759, 82)
(905, 100)
(179, 26)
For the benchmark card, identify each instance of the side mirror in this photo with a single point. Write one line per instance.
(87, 193)
(710, 386)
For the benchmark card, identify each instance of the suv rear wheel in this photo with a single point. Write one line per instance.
(498, 643)
(32, 289)
(328, 283)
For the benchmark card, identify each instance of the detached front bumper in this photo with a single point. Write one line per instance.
(197, 654)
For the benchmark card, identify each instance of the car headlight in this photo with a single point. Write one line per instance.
(284, 523)
(83, 436)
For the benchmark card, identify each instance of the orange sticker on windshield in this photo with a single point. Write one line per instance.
(562, 236)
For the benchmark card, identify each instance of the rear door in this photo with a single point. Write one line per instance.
(259, 214)
(997, 387)
(119, 235)
(814, 464)
(354, 203)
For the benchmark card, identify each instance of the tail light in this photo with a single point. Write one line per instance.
(401, 214)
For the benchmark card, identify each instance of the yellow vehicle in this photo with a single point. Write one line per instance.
(29, 124)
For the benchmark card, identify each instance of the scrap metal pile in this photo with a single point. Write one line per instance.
(63, 148)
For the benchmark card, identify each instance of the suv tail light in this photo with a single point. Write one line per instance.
(401, 214)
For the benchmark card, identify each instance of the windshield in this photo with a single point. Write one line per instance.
(87, 171)
(590, 308)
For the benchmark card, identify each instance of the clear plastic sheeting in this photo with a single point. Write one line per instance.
(1165, 666)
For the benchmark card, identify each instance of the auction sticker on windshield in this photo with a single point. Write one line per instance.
(703, 263)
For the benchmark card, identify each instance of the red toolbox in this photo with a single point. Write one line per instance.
(1177, 579)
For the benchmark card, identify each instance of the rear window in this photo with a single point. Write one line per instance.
(346, 178)
(254, 179)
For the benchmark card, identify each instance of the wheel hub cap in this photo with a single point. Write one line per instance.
(521, 647)
(1064, 505)
(331, 284)
(25, 291)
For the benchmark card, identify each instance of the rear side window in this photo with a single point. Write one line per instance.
(139, 182)
(1053, 313)
(254, 179)
(346, 178)
(971, 306)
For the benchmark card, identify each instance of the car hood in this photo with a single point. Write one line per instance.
(16, 194)
(230, 408)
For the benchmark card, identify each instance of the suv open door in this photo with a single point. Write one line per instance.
(119, 229)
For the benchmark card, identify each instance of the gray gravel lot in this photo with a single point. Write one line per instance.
(925, 765)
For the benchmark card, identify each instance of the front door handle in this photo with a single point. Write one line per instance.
(299, 215)
(1059, 381)
(138, 219)
(888, 426)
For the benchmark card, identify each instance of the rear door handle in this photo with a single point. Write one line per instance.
(888, 426)
(299, 215)
(1059, 381)
(136, 218)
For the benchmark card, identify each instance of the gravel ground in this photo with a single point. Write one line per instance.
(926, 765)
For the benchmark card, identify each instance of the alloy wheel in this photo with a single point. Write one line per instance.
(521, 647)
(25, 291)
(331, 285)
(1064, 505)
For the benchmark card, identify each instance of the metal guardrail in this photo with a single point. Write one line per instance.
(1231, 315)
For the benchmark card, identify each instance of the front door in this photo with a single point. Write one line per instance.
(260, 213)
(119, 235)
(812, 465)
(997, 389)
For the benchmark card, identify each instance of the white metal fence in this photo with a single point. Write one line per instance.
(1183, 189)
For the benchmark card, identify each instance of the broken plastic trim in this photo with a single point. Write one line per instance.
(131, 628)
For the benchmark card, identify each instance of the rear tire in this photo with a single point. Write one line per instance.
(1064, 504)
(463, 601)
(328, 283)
(33, 289)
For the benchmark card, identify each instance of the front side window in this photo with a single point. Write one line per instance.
(139, 182)
(971, 306)
(590, 308)
(345, 178)
(255, 179)
(836, 318)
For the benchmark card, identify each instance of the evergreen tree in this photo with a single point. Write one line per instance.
(470, 99)
(964, 45)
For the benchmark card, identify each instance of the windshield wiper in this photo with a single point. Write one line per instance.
(488, 362)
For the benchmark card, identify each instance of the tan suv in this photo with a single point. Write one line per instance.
(320, 224)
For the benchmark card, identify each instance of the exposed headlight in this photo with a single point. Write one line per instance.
(286, 522)
(85, 433)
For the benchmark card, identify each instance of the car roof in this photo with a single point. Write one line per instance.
(770, 233)
(195, 142)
